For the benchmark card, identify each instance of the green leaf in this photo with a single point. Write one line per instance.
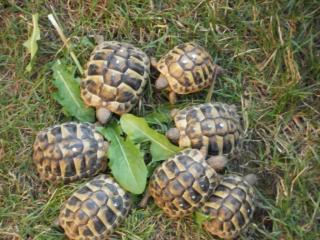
(200, 218)
(126, 161)
(68, 94)
(138, 131)
(151, 166)
(160, 115)
(31, 43)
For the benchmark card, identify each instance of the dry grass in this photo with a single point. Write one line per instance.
(271, 51)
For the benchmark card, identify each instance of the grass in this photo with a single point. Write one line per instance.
(271, 53)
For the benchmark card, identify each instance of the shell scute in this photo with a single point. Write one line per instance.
(69, 151)
(182, 183)
(116, 76)
(95, 210)
(216, 125)
(230, 207)
(187, 67)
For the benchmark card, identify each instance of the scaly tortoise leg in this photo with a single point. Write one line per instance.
(145, 199)
(153, 62)
(172, 97)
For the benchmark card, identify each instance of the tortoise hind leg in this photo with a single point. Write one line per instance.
(172, 97)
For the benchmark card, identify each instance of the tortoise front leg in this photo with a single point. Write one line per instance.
(145, 199)
(153, 62)
(172, 97)
(204, 150)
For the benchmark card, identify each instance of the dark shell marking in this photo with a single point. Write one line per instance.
(230, 207)
(116, 76)
(188, 68)
(95, 210)
(215, 124)
(69, 151)
(182, 183)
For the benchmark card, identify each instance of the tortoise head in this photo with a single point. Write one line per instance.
(218, 70)
(161, 82)
(218, 162)
(103, 115)
(173, 134)
(216, 73)
(251, 179)
(99, 39)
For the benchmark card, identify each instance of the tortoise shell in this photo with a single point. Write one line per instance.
(182, 183)
(115, 77)
(95, 210)
(187, 67)
(69, 151)
(216, 125)
(230, 207)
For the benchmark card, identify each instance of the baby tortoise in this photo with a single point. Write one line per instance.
(187, 68)
(182, 183)
(115, 78)
(69, 151)
(95, 210)
(211, 127)
(231, 206)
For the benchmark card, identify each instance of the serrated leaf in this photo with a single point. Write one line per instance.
(31, 43)
(201, 218)
(138, 131)
(68, 94)
(126, 161)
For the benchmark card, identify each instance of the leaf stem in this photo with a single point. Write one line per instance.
(65, 41)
